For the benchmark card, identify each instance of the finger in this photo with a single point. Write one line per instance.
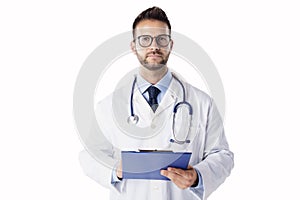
(169, 174)
(188, 177)
(177, 179)
(176, 170)
(188, 174)
(164, 172)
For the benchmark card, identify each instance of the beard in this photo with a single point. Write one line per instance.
(153, 66)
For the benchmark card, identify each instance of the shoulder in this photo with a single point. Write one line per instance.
(191, 91)
(197, 94)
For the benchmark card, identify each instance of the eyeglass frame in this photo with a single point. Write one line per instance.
(138, 38)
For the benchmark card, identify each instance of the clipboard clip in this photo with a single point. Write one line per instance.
(153, 150)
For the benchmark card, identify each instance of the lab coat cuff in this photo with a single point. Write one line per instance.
(116, 183)
(199, 185)
(114, 177)
(198, 189)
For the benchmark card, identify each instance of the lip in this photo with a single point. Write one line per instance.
(154, 55)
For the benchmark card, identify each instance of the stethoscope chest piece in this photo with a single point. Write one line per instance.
(133, 119)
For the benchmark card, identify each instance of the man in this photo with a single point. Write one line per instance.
(157, 90)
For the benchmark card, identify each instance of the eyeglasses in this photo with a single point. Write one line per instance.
(161, 40)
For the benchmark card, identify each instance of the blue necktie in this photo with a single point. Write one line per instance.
(153, 92)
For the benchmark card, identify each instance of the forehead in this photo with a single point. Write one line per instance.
(151, 27)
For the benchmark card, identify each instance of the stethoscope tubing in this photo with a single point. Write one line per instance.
(133, 119)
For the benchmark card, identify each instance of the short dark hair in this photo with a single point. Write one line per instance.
(154, 13)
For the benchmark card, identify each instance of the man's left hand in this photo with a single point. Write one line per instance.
(182, 178)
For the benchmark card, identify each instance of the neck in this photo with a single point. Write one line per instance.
(153, 76)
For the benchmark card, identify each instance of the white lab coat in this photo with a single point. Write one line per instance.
(210, 152)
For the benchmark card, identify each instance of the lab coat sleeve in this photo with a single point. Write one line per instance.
(217, 161)
(98, 172)
(100, 157)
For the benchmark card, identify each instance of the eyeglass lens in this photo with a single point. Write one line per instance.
(161, 40)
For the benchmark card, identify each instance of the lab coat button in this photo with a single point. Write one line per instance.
(155, 187)
(153, 126)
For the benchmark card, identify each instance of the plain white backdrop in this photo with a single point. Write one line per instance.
(254, 44)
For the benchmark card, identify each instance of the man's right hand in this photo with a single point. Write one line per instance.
(119, 171)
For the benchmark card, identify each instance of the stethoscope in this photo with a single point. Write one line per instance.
(133, 118)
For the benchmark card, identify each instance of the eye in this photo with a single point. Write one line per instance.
(145, 38)
(162, 38)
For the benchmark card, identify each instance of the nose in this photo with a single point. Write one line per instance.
(154, 46)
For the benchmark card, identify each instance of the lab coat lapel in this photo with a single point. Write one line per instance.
(170, 97)
(144, 110)
(142, 107)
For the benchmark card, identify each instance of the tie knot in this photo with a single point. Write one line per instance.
(153, 92)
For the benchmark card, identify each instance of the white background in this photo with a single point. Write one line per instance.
(254, 44)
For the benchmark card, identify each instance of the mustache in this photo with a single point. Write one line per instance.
(154, 53)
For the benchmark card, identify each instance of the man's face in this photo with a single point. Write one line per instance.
(152, 44)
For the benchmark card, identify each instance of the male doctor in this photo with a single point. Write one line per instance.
(156, 91)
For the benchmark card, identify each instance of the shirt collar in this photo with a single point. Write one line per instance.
(162, 85)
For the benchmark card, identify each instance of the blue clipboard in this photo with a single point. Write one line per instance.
(147, 164)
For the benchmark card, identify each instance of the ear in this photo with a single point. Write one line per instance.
(171, 44)
(132, 46)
